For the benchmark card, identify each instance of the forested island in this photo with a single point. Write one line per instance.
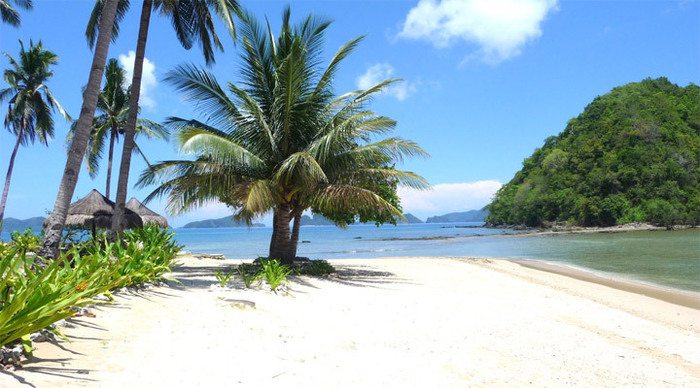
(631, 156)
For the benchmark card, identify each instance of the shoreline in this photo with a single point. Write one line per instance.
(685, 298)
(521, 231)
(678, 296)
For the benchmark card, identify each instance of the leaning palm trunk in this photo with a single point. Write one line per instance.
(8, 178)
(130, 127)
(110, 157)
(57, 219)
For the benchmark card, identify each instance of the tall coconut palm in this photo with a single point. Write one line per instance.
(192, 21)
(282, 141)
(108, 125)
(31, 103)
(56, 221)
(9, 14)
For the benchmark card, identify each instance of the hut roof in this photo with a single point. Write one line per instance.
(147, 215)
(96, 210)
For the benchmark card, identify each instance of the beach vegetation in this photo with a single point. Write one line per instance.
(31, 103)
(249, 273)
(76, 151)
(313, 268)
(25, 242)
(633, 155)
(223, 277)
(282, 141)
(193, 22)
(9, 13)
(108, 124)
(36, 292)
(274, 272)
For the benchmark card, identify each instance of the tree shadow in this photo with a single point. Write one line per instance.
(19, 378)
(362, 276)
(68, 373)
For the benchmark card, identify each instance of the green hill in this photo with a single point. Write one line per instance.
(224, 222)
(633, 155)
(468, 216)
(35, 223)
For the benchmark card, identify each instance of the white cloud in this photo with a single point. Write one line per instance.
(380, 72)
(448, 197)
(148, 78)
(500, 28)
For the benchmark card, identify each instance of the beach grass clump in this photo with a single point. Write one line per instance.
(249, 273)
(223, 277)
(35, 292)
(274, 272)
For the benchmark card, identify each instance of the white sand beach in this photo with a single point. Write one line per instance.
(418, 322)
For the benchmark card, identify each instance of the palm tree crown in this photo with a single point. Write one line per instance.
(9, 14)
(192, 21)
(110, 119)
(283, 140)
(31, 104)
(29, 113)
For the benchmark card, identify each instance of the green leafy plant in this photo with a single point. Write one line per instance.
(34, 296)
(223, 277)
(25, 241)
(249, 273)
(274, 272)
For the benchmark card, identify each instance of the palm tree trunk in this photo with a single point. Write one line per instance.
(130, 127)
(76, 153)
(8, 178)
(110, 157)
(281, 244)
(295, 233)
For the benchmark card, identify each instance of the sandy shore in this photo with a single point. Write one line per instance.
(419, 322)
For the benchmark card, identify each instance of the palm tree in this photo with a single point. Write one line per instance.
(192, 21)
(282, 141)
(57, 220)
(112, 109)
(31, 103)
(9, 14)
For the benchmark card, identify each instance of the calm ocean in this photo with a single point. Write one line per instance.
(666, 258)
(670, 259)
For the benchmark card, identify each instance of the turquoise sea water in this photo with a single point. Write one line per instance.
(666, 258)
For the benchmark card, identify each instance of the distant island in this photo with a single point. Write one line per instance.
(10, 224)
(315, 220)
(468, 216)
(410, 219)
(224, 222)
(633, 155)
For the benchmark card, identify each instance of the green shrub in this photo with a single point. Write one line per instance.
(33, 297)
(250, 273)
(661, 212)
(35, 293)
(315, 268)
(223, 277)
(274, 273)
(25, 241)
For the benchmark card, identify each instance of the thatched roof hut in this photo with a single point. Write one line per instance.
(95, 211)
(147, 215)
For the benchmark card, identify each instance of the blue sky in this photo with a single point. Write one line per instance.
(485, 81)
